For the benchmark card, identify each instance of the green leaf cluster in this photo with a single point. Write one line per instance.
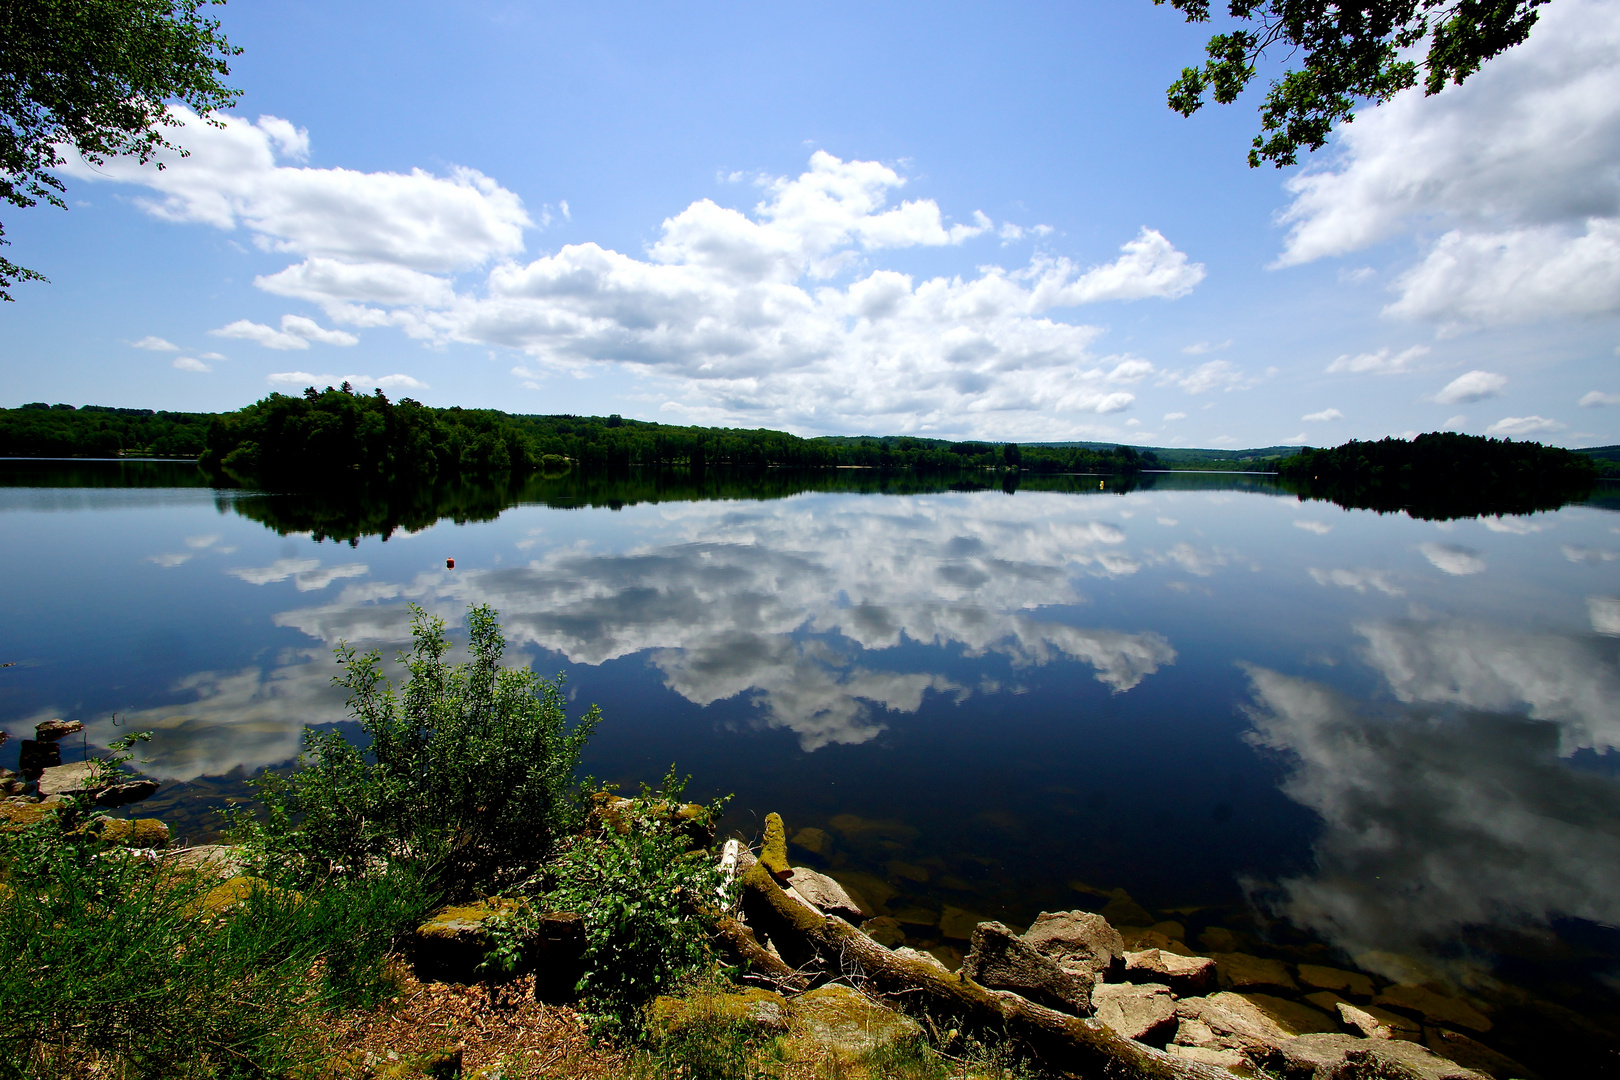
(1349, 52)
(98, 75)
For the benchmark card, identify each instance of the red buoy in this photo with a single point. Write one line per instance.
(449, 564)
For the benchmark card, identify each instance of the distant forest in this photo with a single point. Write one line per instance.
(337, 437)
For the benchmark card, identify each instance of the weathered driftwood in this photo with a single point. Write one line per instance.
(1070, 1044)
(737, 940)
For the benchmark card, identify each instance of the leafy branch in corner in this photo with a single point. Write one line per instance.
(1352, 52)
(98, 75)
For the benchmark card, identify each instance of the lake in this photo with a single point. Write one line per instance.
(1291, 729)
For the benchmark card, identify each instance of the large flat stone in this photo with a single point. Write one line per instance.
(1248, 1022)
(1352, 983)
(1394, 1059)
(1434, 1007)
(1240, 971)
(79, 778)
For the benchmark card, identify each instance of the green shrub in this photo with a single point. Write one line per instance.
(638, 886)
(470, 770)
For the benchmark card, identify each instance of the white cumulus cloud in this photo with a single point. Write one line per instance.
(304, 378)
(1512, 173)
(773, 315)
(155, 344)
(233, 178)
(189, 363)
(1380, 362)
(1596, 398)
(1453, 558)
(1523, 425)
(1473, 386)
(1323, 416)
(296, 333)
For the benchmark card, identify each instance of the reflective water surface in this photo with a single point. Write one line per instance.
(1376, 741)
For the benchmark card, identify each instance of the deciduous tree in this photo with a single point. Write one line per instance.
(97, 75)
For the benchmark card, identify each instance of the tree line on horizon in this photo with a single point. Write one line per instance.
(337, 437)
(340, 436)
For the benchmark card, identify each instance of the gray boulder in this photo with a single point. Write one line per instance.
(1080, 942)
(124, 794)
(1001, 960)
(1144, 1013)
(1187, 976)
(824, 894)
(78, 778)
(52, 730)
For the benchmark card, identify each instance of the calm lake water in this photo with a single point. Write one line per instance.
(1376, 741)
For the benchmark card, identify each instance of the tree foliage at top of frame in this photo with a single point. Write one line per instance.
(1351, 52)
(98, 75)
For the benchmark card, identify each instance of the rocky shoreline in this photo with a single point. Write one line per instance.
(829, 974)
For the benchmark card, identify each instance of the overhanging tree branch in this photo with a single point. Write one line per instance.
(1352, 54)
(98, 75)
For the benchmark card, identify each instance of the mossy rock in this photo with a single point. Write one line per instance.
(773, 853)
(839, 1023)
(130, 832)
(454, 943)
(21, 815)
(745, 1005)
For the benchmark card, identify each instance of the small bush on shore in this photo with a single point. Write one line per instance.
(469, 772)
(639, 888)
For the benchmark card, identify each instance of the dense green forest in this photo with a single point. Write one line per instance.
(336, 436)
(41, 430)
(1443, 475)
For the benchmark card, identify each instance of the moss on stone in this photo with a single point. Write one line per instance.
(840, 1023)
(744, 1005)
(773, 854)
(131, 832)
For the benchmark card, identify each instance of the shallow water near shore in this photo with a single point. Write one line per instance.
(1357, 739)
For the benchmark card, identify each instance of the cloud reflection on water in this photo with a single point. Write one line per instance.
(1459, 808)
(750, 601)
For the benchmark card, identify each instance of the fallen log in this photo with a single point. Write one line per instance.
(737, 940)
(1080, 1047)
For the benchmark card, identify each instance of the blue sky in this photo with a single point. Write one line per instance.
(947, 220)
